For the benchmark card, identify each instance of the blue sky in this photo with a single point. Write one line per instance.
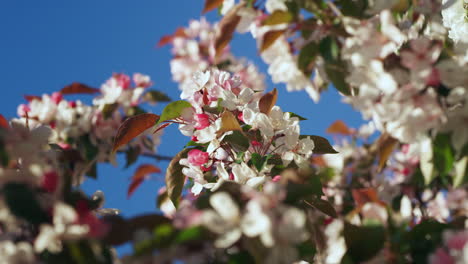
(48, 44)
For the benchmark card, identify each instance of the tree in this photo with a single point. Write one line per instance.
(248, 187)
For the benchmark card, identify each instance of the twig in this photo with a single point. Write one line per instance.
(151, 155)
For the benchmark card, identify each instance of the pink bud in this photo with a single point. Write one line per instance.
(197, 157)
(56, 97)
(23, 110)
(123, 80)
(50, 181)
(64, 145)
(277, 178)
(72, 104)
(194, 138)
(256, 143)
(202, 121)
(240, 116)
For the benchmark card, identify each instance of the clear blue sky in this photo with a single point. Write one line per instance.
(47, 44)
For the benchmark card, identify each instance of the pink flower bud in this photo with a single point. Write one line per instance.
(50, 181)
(202, 121)
(256, 143)
(240, 116)
(23, 110)
(197, 157)
(122, 80)
(72, 104)
(277, 178)
(56, 97)
(194, 138)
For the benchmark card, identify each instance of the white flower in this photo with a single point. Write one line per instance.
(455, 18)
(64, 228)
(16, 253)
(223, 220)
(243, 174)
(273, 5)
(256, 223)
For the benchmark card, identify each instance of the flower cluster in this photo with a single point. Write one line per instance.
(238, 141)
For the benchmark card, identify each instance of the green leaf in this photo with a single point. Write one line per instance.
(334, 66)
(22, 203)
(175, 178)
(329, 49)
(86, 147)
(237, 140)
(444, 154)
(322, 146)
(306, 57)
(190, 234)
(278, 17)
(109, 109)
(424, 239)
(363, 242)
(257, 161)
(355, 8)
(301, 118)
(156, 96)
(173, 110)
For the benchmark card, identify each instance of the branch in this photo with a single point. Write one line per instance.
(151, 155)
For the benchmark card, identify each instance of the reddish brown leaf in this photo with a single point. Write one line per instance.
(140, 175)
(269, 38)
(267, 101)
(227, 26)
(29, 98)
(339, 127)
(132, 127)
(211, 4)
(78, 88)
(3, 122)
(180, 32)
(366, 195)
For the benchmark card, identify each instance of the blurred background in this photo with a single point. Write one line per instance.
(46, 45)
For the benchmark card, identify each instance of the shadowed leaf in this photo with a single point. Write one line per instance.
(132, 127)
(174, 177)
(322, 146)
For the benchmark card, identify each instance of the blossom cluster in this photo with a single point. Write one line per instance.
(265, 133)
(46, 152)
